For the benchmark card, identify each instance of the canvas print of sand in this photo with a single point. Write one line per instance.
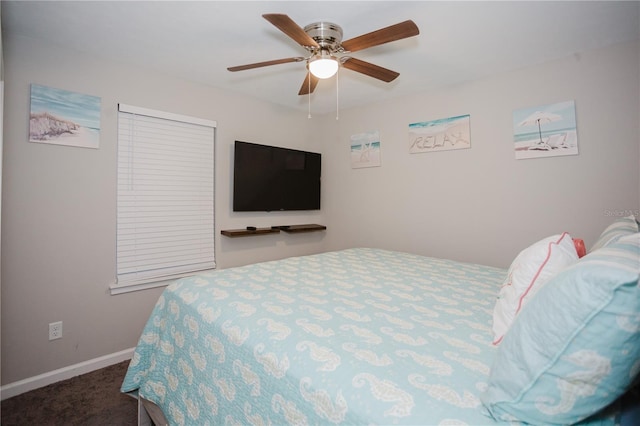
(545, 131)
(440, 135)
(61, 117)
(365, 150)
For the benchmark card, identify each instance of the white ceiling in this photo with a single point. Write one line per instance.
(197, 41)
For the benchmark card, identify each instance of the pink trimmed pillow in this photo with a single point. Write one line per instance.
(529, 271)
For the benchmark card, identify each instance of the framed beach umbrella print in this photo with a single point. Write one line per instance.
(61, 117)
(545, 131)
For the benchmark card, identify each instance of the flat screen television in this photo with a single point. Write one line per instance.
(269, 178)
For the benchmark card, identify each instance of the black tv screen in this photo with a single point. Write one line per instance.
(269, 178)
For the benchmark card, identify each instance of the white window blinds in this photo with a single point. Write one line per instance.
(165, 200)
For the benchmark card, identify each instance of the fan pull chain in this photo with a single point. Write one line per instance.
(337, 94)
(309, 93)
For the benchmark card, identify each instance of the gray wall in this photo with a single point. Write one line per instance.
(480, 204)
(58, 218)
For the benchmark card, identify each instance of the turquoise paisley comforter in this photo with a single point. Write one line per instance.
(359, 336)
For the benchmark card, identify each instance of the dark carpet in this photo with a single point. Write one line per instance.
(92, 399)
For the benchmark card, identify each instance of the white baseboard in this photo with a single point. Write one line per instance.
(31, 383)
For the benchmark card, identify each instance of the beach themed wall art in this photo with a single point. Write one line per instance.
(365, 150)
(545, 131)
(440, 135)
(61, 117)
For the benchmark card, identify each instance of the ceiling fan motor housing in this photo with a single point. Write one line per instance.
(328, 35)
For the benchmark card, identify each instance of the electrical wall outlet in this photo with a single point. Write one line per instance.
(55, 330)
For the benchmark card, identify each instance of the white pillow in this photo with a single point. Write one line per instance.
(529, 271)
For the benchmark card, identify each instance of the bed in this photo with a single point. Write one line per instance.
(359, 336)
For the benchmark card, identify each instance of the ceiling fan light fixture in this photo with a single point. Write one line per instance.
(323, 66)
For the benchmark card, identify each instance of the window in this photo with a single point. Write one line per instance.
(165, 197)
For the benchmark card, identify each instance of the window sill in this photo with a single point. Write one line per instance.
(128, 288)
(116, 289)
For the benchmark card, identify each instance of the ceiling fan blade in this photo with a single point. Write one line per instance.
(290, 28)
(384, 35)
(308, 87)
(370, 69)
(265, 64)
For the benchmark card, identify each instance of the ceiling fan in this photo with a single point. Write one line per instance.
(327, 51)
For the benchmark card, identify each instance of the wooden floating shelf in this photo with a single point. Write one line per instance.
(293, 229)
(290, 229)
(246, 232)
